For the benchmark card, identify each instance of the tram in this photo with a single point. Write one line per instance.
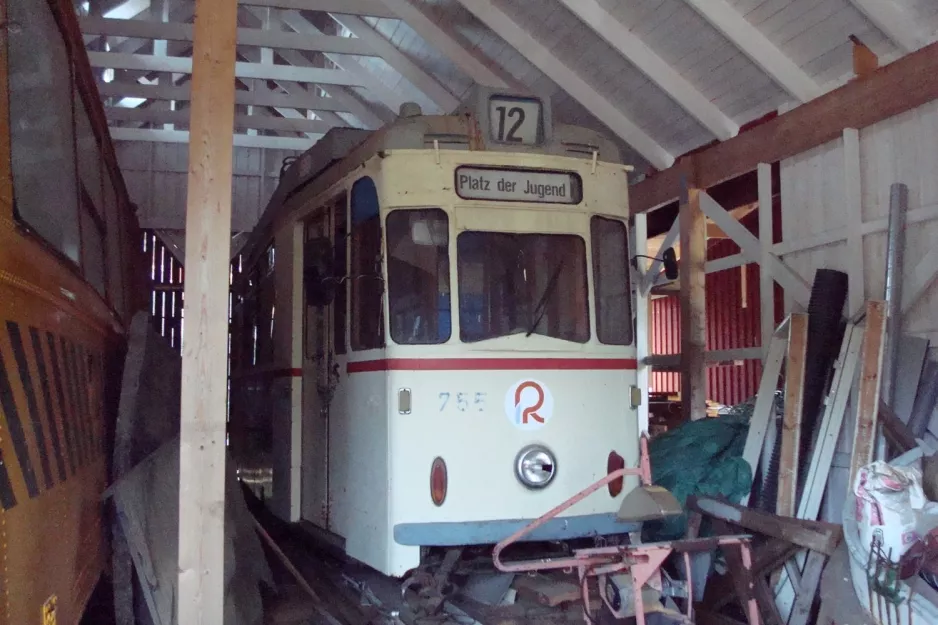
(70, 278)
(432, 334)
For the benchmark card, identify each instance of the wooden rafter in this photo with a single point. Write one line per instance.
(902, 85)
(446, 42)
(630, 46)
(569, 80)
(750, 40)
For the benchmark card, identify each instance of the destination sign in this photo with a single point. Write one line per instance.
(518, 185)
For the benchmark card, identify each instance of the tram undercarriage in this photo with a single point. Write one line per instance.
(590, 579)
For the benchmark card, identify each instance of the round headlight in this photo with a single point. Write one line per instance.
(535, 466)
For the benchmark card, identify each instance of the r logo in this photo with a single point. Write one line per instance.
(529, 404)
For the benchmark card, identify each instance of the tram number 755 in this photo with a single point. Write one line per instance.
(463, 402)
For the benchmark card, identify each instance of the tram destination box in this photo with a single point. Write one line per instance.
(518, 185)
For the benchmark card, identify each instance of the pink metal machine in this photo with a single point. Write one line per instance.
(632, 569)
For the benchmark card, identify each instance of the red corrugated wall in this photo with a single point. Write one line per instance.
(732, 322)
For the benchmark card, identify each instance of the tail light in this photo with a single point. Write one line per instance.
(438, 480)
(614, 463)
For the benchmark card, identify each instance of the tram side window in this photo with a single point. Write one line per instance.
(611, 278)
(418, 276)
(42, 136)
(340, 268)
(367, 327)
(92, 242)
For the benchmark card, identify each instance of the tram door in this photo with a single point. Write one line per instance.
(318, 359)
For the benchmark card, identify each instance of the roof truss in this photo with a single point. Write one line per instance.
(568, 80)
(757, 47)
(653, 66)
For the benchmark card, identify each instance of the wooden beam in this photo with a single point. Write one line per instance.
(894, 21)
(183, 65)
(183, 93)
(856, 281)
(902, 85)
(569, 80)
(751, 42)
(246, 36)
(368, 8)
(642, 320)
(766, 238)
(282, 124)
(393, 56)
(919, 279)
(693, 307)
(634, 50)
(446, 42)
(871, 366)
(813, 535)
(791, 422)
(159, 135)
(205, 353)
(794, 284)
(346, 97)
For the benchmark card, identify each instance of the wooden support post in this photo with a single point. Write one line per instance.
(856, 280)
(766, 240)
(871, 366)
(204, 356)
(693, 312)
(642, 318)
(791, 424)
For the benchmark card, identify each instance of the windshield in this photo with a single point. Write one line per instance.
(522, 284)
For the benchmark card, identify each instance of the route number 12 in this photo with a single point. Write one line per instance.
(514, 120)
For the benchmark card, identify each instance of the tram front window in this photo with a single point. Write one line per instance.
(522, 284)
(418, 276)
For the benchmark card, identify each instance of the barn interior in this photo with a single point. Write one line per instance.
(709, 229)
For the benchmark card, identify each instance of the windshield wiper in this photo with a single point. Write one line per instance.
(541, 308)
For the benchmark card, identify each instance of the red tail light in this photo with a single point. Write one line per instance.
(614, 463)
(438, 481)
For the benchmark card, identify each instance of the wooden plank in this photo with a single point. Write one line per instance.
(766, 239)
(897, 433)
(743, 581)
(693, 226)
(204, 357)
(765, 400)
(871, 366)
(791, 423)
(148, 29)
(856, 281)
(813, 535)
(642, 319)
(902, 85)
(765, 558)
(808, 589)
(794, 285)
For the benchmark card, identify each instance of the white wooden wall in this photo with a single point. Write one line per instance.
(835, 203)
(156, 179)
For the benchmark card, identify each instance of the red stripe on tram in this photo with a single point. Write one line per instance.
(493, 364)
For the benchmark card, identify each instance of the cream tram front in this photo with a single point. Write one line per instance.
(432, 334)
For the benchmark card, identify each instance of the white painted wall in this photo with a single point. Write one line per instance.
(156, 175)
(815, 207)
(819, 214)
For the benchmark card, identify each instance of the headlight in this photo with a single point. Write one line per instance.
(535, 466)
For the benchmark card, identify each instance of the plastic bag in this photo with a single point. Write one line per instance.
(891, 502)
